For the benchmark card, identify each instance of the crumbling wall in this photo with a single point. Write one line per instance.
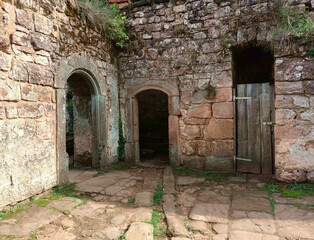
(188, 44)
(37, 39)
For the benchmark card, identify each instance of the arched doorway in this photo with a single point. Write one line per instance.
(81, 121)
(253, 70)
(131, 118)
(153, 126)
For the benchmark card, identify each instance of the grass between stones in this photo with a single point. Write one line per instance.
(292, 190)
(158, 193)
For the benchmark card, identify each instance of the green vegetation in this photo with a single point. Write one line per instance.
(121, 142)
(292, 190)
(41, 202)
(70, 112)
(292, 22)
(159, 229)
(158, 193)
(107, 17)
(63, 191)
(185, 171)
(214, 176)
(6, 214)
(120, 166)
(311, 51)
(131, 200)
(33, 236)
(99, 172)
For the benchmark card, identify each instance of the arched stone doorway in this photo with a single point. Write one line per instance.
(80, 71)
(81, 123)
(132, 147)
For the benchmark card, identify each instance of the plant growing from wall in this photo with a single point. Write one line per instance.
(293, 22)
(121, 142)
(107, 17)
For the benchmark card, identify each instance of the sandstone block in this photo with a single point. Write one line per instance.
(2, 113)
(191, 131)
(140, 231)
(217, 213)
(5, 44)
(284, 116)
(223, 110)
(9, 91)
(44, 94)
(202, 111)
(45, 128)
(29, 92)
(30, 110)
(188, 148)
(223, 94)
(18, 71)
(194, 121)
(222, 79)
(43, 24)
(309, 87)
(144, 199)
(204, 148)
(50, 110)
(41, 42)
(40, 75)
(219, 129)
(179, 8)
(24, 19)
(4, 61)
(11, 112)
(288, 87)
(223, 148)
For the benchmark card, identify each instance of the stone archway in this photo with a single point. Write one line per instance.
(81, 65)
(132, 151)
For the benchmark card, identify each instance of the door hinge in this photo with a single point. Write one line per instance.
(242, 98)
(268, 123)
(242, 159)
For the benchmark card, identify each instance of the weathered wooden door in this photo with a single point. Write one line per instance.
(255, 114)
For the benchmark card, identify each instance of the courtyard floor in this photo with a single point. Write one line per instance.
(143, 203)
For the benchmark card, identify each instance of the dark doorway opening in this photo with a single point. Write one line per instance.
(79, 121)
(252, 64)
(153, 126)
(253, 72)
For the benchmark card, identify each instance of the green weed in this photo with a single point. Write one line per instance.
(213, 176)
(131, 200)
(64, 191)
(186, 171)
(158, 193)
(100, 172)
(270, 188)
(33, 236)
(156, 220)
(120, 166)
(41, 202)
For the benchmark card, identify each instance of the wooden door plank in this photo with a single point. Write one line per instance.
(253, 129)
(265, 102)
(242, 127)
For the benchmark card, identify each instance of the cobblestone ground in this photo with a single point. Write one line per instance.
(124, 204)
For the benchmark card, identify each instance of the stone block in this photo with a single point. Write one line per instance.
(4, 61)
(217, 213)
(5, 44)
(223, 94)
(190, 131)
(284, 116)
(45, 128)
(18, 71)
(144, 199)
(201, 111)
(288, 87)
(223, 148)
(188, 148)
(41, 42)
(223, 110)
(30, 110)
(2, 113)
(222, 79)
(11, 112)
(204, 148)
(29, 92)
(42, 24)
(44, 94)
(293, 69)
(40, 75)
(24, 19)
(140, 231)
(50, 110)
(219, 163)
(179, 8)
(10, 91)
(219, 129)
(309, 87)
(194, 121)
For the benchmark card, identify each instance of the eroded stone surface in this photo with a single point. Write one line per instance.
(210, 212)
(140, 231)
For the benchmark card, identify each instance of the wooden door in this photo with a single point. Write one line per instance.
(254, 109)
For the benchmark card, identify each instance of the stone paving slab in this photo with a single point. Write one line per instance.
(65, 203)
(29, 220)
(294, 222)
(187, 180)
(244, 235)
(140, 231)
(217, 213)
(251, 204)
(304, 200)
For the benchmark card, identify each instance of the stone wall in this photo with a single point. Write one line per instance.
(184, 44)
(41, 44)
